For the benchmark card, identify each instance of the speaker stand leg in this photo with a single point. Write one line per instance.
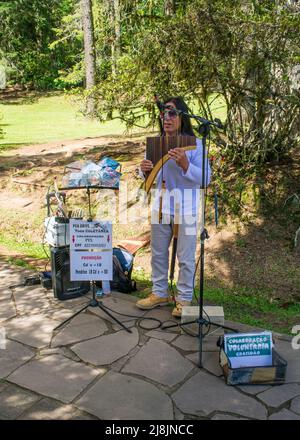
(94, 303)
(71, 317)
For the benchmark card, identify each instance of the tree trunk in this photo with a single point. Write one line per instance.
(117, 11)
(89, 51)
(114, 10)
(169, 7)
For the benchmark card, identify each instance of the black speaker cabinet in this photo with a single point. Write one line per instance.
(63, 288)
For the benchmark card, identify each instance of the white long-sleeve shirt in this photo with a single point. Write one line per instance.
(182, 188)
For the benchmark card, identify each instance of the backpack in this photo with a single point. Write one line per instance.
(122, 269)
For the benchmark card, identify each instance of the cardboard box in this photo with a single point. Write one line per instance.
(268, 375)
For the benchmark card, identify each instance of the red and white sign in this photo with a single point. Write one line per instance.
(86, 235)
(91, 266)
(91, 253)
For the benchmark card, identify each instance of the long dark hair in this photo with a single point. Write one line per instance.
(186, 126)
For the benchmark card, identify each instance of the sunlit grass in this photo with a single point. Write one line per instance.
(28, 248)
(50, 118)
(251, 307)
(58, 117)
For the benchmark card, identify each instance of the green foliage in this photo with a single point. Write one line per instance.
(243, 52)
(69, 41)
(26, 32)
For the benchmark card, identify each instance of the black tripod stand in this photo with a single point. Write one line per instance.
(204, 128)
(93, 302)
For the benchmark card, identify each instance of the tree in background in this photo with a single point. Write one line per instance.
(26, 31)
(240, 52)
(89, 52)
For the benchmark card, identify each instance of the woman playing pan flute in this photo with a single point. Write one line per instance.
(181, 176)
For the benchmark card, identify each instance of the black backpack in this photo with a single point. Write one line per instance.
(122, 270)
(122, 281)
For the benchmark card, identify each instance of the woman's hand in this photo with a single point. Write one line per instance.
(178, 154)
(146, 165)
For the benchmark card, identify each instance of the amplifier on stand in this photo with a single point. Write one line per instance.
(63, 288)
(57, 231)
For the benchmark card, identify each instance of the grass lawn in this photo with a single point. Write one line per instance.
(50, 118)
(57, 117)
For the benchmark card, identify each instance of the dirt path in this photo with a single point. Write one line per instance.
(63, 147)
(29, 169)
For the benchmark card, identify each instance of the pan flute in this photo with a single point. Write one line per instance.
(157, 151)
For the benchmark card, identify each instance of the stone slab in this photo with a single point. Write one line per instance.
(124, 296)
(35, 330)
(13, 357)
(3, 385)
(204, 394)
(284, 348)
(82, 327)
(32, 305)
(5, 293)
(157, 361)
(220, 416)
(7, 309)
(55, 376)
(253, 389)
(277, 395)
(35, 291)
(284, 414)
(295, 405)
(75, 303)
(58, 313)
(210, 362)
(163, 314)
(128, 324)
(14, 401)
(108, 348)
(159, 334)
(49, 409)
(117, 306)
(126, 398)
(191, 343)
(12, 278)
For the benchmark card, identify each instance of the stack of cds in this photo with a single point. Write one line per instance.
(88, 173)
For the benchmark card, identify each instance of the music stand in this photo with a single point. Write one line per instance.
(204, 126)
(94, 302)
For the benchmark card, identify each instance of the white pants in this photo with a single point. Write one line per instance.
(161, 235)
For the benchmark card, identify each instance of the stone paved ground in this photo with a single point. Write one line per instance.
(93, 369)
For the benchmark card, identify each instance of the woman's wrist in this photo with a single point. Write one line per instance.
(185, 166)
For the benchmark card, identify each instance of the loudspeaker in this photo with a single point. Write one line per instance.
(63, 288)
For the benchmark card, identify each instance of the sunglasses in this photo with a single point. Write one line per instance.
(169, 113)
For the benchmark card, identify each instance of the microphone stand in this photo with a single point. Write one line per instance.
(204, 126)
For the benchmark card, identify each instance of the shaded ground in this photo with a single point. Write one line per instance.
(90, 368)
